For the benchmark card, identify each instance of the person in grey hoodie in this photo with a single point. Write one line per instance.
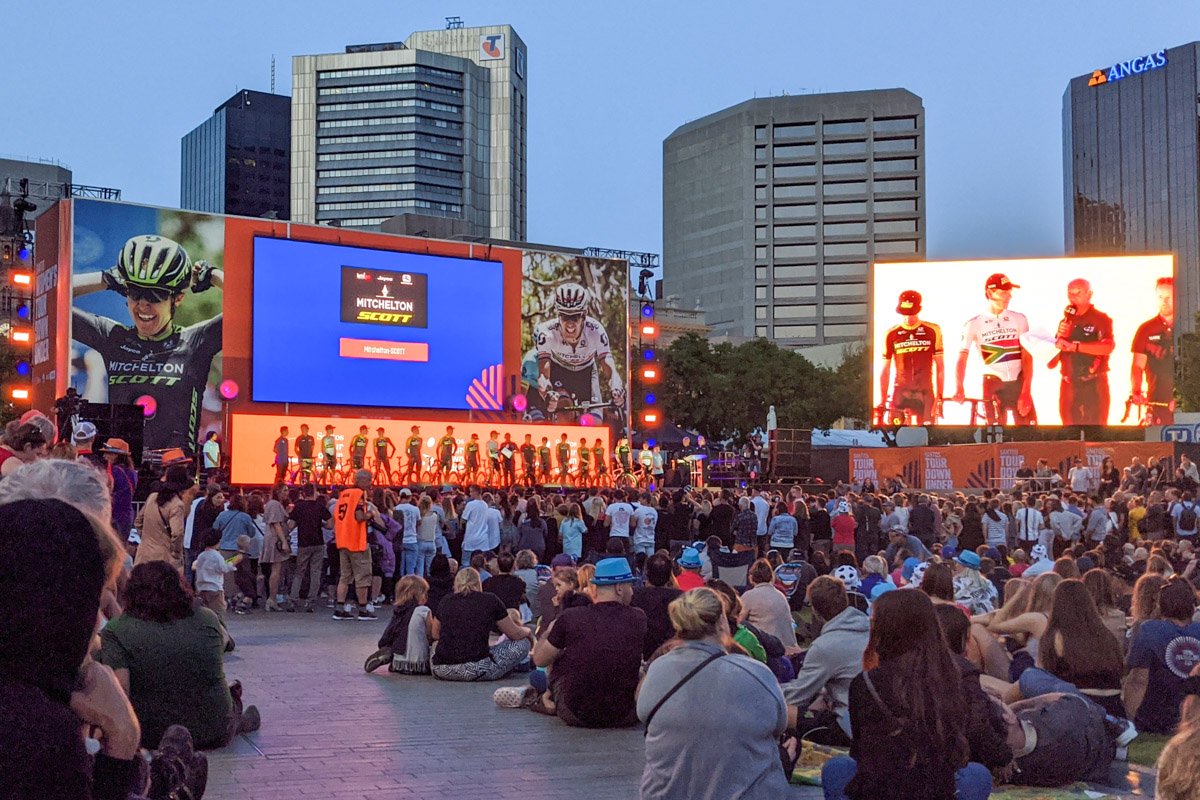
(831, 663)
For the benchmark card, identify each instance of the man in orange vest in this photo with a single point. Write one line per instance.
(354, 557)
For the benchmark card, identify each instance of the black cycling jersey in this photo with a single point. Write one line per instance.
(173, 370)
(305, 444)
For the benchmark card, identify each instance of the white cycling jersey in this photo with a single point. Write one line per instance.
(591, 348)
(999, 341)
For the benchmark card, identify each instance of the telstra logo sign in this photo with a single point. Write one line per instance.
(1124, 69)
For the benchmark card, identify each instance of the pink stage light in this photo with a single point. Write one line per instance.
(520, 403)
(228, 389)
(149, 406)
(588, 420)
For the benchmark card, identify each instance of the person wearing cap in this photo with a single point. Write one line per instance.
(1007, 366)
(972, 590)
(689, 563)
(1039, 555)
(84, 439)
(593, 654)
(914, 347)
(1085, 342)
(123, 479)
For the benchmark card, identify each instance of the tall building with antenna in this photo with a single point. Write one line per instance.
(238, 161)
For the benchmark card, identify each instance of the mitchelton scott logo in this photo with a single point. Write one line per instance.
(491, 46)
(1124, 69)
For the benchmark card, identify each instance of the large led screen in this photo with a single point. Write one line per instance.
(1051, 341)
(358, 326)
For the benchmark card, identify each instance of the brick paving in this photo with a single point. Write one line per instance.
(331, 730)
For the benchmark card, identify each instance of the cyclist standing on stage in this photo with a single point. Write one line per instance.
(493, 451)
(358, 447)
(281, 455)
(412, 449)
(329, 450)
(528, 459)
(600, 459)
(384, 450)
(472, 459)
(154, 355)
(564, 458)
(447, 447)
(573, 353)
(544, 459)
(306, 447)
(1007, 366)
(508, 453)
(623, 455)
(585, 458)
(1154, 358)
(916, 348)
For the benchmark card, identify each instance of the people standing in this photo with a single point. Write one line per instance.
(311, 518)
(277, 548)
(354, 558)
(123, 480)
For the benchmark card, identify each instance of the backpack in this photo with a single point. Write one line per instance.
(1187, 517)
(1155, 520)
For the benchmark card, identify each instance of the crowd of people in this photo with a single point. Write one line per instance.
(943, 642)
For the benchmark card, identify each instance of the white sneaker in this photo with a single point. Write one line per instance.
(509, 696)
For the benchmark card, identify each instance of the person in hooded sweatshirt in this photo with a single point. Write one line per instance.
(832, 662)
(54, 564)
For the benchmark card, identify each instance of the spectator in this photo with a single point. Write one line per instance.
(765, 607)
(354, 558)
(689, 565)
(653, 599)
(832, 661)
(508, 587)
(123, 481)
(21, 445)
(745, 527)
(782, 531)
(461, 626)
(560, 564)
(160, 523)
(525, 568)
(1101, 586)
(696, 700)
(1160, 659)
(594, 654)
(311, 519)
(531, 533)
(573, 530)
(404, 644)
(160, 638)
(908, 714)
(1178, 775)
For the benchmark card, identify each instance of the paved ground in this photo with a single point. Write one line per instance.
(333, 731)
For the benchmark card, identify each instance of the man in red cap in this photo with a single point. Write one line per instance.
(1007, 367)
(916, 348)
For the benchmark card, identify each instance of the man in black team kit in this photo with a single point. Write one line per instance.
(306, 445)
(528, 459)
(153, 356)
(384, 450)
(544, 459)
(1154, 358)
(412, 449)
(447, 447)
(563, 454)
(508, 457)
(281, 455)
(358, 447)
(1084, 341)
(915, 346)
(585, 461)
(472, 459)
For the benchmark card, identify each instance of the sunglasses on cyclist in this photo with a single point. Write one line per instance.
(139, 294)
(571, 317)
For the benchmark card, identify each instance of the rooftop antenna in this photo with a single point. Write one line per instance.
(272, 73)
(454, 23)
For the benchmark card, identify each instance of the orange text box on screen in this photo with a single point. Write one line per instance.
(384, 350)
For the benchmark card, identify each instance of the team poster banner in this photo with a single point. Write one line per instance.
(1048, 341)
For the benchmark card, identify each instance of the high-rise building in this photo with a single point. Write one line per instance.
(1131, 164)
(433, 126)
(48, 181)
(238, 161)
(774, 208)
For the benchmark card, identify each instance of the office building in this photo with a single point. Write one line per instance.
(432, 126)
(774, 208)
(48, 181)
(1131, 147)
(238, 161)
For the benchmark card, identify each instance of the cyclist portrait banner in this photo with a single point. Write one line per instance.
(146, 315)
(1043, 341)
(574, 339)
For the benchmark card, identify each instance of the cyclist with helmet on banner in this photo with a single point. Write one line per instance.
(915, 346)
(573, 353)
(154, 356)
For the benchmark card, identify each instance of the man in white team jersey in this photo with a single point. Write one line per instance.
(1007, 366)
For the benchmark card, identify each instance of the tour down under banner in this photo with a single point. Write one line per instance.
(989, 466)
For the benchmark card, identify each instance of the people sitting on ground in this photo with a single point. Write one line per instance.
(593, 655)
(1041, 563)
(875, 569)
(1160, 660)
(696, 700)
(689, 565)
(831, 662)
(908, 715)
(547, 610)
(525, 568)
(1025, 626)
(972, 590)
(461, 626)
(1178, 768)
(404, 644)
(508, 587)
(653, 599)
(161, 637)
(765, 607)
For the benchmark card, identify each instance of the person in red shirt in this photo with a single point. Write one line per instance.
(843, 525)
(689, 562)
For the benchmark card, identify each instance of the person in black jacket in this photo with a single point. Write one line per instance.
(908, 714)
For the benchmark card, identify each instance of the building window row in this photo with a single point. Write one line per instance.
(880, 125)
(426, 188)
(334, 91)
(429, 154)
(379, 105)
(449, 207)
(391, 137)
(400, 170)
(419, 120)
(366, 122)
(405, 69)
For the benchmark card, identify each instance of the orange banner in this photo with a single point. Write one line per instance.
(880, 464)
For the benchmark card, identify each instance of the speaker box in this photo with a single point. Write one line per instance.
(122, 421)
(792, 452)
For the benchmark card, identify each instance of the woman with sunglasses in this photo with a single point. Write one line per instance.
(154, 355)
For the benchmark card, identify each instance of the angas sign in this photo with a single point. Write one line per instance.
(1123, 69)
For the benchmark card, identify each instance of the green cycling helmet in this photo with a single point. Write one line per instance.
(155, 262)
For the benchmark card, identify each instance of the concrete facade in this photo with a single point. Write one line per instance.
(434, 126)
(773, 210)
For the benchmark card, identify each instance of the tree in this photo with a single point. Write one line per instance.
(1187, 370)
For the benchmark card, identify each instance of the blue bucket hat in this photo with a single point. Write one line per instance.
(969, 559)
(611, 571)
(689, 558)
(910, 564)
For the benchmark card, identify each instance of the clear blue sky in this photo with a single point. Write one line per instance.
(111, 87)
